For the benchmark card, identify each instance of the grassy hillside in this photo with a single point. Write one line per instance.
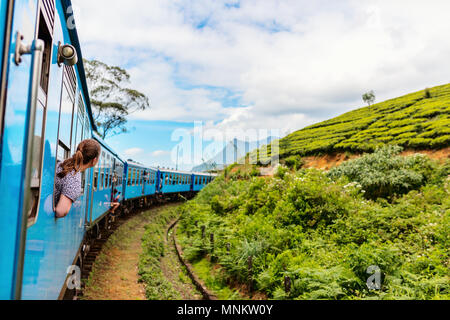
(325, 230)
(414, 121)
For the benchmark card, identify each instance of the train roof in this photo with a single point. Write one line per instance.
(186, 172)
(139, 165)
(105, 145)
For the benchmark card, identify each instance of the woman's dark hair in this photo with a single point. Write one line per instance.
(87, 151)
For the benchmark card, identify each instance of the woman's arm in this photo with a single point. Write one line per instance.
(63, 207)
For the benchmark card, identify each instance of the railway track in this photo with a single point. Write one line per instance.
(96, 244)
(171, 265)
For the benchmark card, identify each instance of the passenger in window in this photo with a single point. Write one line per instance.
(68, 176)
(115, 202)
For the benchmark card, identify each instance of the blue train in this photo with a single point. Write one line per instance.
(45, 113)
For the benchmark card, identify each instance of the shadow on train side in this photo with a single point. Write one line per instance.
(46, 112)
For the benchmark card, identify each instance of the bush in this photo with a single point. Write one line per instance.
(385, 173)
(294, 162)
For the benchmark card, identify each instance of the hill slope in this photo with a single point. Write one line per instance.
(413, 121)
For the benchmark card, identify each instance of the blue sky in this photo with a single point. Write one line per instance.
(252, 65)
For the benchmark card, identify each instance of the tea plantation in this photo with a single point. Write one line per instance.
(419, 120)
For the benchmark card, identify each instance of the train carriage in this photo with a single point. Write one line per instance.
(174, 181)
(200, 180)
(106, 176)
(45, 111)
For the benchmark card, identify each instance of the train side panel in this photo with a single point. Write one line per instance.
(102, 193)
(175, 182)
(150, 183)
(52, 244)
(3, 29)
(13, 149)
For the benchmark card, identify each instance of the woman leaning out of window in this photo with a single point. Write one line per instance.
(68, 175)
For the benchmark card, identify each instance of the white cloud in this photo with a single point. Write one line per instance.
(292, 62)
(133, 152)
(160, 153)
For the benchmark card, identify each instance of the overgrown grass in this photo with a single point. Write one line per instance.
(157, 286)
(324, 232)
(214, 280)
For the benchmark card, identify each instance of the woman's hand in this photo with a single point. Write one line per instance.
(63, 207)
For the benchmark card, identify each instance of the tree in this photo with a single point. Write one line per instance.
(111, 99)
(369, 98)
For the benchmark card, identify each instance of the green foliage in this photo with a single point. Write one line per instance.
(369, 98)
(156, 285)
(112, 101)
(294, 162)
(416, 121)
(384, 173)
(323, 232)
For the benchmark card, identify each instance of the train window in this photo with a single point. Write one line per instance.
(86, 131)
(67, 108)
(102, 177)
(95, 184)
(101, 173)
(44, 31)
(79, 123)
(129, 177)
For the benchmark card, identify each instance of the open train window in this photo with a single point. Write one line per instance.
(129, 177)
(95, 184)
(101, 171)
(44, 31)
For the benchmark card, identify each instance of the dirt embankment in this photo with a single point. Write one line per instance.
(327, 162)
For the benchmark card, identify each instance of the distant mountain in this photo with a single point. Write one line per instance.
(232, 152)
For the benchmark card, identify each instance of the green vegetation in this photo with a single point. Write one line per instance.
(419, 120)
(157, 286)
(324, 230)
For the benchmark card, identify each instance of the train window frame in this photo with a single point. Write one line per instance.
(67, 95)
(101, 175)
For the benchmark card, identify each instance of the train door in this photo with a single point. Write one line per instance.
(25, 57)
(144, 181)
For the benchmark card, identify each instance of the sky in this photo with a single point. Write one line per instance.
(259, 65)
